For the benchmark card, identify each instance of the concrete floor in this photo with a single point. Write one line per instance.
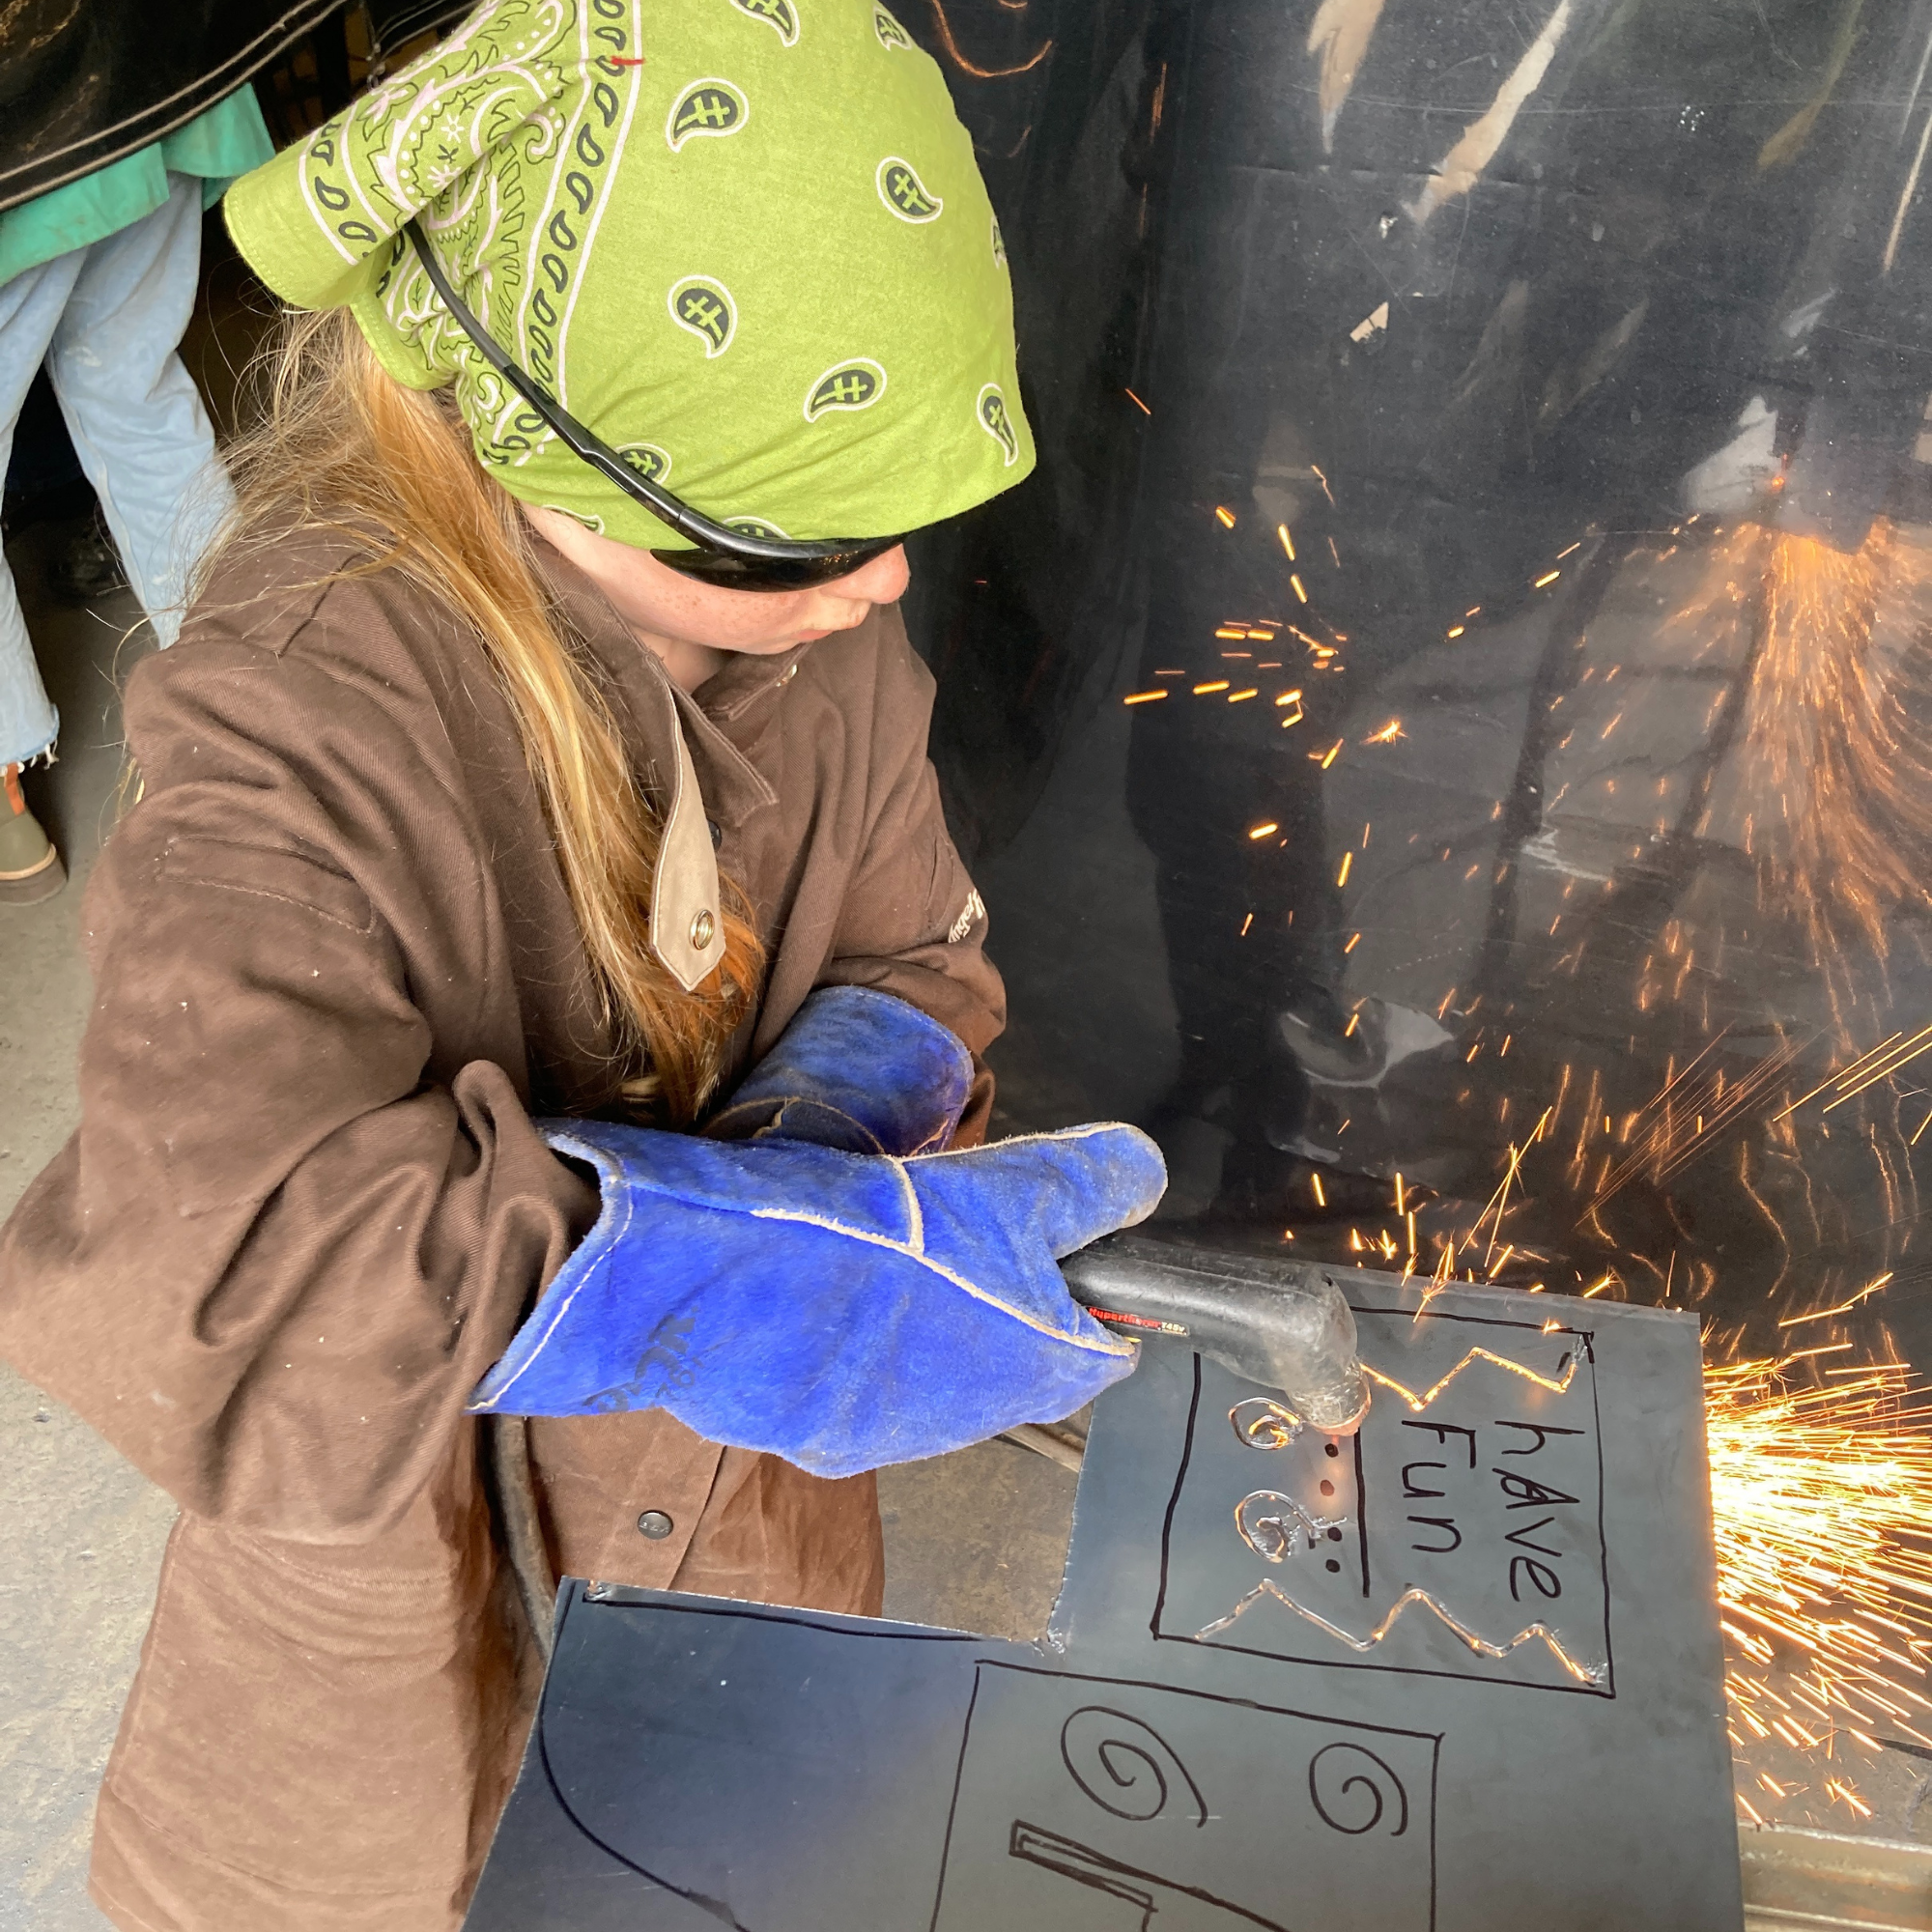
(81, 1532)
(974, 1541)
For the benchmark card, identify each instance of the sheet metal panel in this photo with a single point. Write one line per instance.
(1210, 1734)
(1581, 350)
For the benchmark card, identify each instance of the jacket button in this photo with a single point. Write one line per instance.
(789, 673)
(655, 1525)
(702, 927)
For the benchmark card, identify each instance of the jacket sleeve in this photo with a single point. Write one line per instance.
(278, 1254)
(913, 923)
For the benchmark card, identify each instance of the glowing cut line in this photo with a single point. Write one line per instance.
(1583, 1673)
(1560, 1385)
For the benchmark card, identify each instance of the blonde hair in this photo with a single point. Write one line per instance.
(339, 445)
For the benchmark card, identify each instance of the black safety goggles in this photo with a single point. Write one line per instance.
(734, 558)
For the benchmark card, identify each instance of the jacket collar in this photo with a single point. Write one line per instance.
(732, 787)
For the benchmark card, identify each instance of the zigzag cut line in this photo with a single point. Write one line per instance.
(1583, 1673)
(1559, 1385)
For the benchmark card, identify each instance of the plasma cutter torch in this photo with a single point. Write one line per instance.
(1284, 1324)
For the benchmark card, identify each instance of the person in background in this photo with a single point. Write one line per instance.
(97, 282)
(541, 764)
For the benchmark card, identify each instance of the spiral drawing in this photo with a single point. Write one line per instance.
(1125, 1765)
(1353, 1790)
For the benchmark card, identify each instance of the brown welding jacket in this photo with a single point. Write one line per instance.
(337, 972)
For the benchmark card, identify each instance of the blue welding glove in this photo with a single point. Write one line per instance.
(855, 1070)
(843, 1311)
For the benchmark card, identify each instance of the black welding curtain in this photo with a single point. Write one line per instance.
(83, 82)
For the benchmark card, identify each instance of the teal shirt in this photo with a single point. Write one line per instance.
(226, 141)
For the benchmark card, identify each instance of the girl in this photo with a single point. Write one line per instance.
(542, 751)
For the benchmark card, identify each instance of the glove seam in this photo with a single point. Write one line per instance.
(1055, 1134)
(1107, 1345)
(915, 1214)
(619, 1227)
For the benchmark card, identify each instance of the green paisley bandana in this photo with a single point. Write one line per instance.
(745, 241)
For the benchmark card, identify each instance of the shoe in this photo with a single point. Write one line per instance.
(1331, 1044)
(30, 868)
(85, 565)
(1356, 1051)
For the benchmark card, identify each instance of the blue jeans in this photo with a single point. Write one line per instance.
(106, 319)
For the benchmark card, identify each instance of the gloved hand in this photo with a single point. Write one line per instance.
(855, 1070)
(843, 1311)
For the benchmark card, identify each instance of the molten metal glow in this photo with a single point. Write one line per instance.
(1418, 1403)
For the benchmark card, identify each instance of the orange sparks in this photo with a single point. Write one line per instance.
(1294, 584)
(1213, 684)
(1387, 734)
(1820, 1498)
(1864, 1294)
(1136, 403)
(1548, 576)
(1232, 631)
(1143, 697)
(1236, 697)
(1885, 1059)
(1262, 831)
(1326, 759)
(1287, 541)
(1835, 728)
(1920, 1042)
(1320, 1199)
(1347, 860)
(1456, 630)
(1224, 516)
